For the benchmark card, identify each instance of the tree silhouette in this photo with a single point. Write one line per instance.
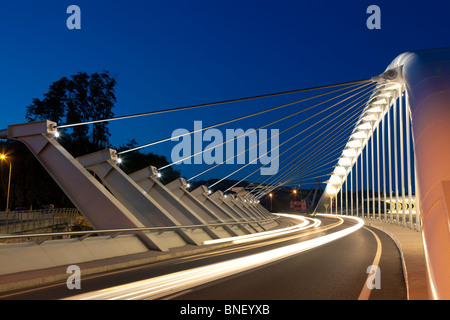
(76, 99)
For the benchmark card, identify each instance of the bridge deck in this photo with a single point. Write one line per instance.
(409, 242)
(411, 247)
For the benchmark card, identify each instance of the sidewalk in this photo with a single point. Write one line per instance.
(411, 248)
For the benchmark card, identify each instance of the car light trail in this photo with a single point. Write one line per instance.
(305, 224)
(171, 283)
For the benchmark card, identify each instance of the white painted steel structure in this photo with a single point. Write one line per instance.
(398, 152)
(412, 103)
(384, 175)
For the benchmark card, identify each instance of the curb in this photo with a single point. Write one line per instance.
(398, 243)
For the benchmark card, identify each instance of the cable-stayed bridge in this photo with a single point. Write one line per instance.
(377, 145)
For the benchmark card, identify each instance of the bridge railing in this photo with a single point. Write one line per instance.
(81, 235)
(12, 222)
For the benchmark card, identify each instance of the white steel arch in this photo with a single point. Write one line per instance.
(411, 108)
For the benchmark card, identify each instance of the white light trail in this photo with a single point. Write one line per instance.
(305, 224)
(169, 284)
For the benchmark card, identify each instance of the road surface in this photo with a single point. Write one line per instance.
(335, 270)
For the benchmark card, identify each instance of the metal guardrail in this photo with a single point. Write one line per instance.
(22, 221)
(115, 232)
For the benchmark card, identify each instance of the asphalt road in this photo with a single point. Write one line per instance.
(337, 270)
(334, 271)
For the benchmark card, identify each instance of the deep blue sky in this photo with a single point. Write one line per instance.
(167, 54)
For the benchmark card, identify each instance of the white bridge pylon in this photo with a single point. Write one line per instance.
(411, 108)
(376, 167)
(139, 200)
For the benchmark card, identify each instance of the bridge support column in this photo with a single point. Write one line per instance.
(146, 179)
(236, 205)
(215, 203)
(253, 203)
(427, 76)
(245, 202)
(179, 187)
(97, 205)
(155, 206)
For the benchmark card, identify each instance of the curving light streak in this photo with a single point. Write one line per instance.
(168, 284)
(305, 224)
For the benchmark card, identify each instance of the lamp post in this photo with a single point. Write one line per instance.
(270, 195)
(295, 207)
(3, 157)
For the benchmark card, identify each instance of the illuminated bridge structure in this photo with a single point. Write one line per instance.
(401, 143)
(398, 152)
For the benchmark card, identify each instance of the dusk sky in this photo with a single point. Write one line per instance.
(167, 54)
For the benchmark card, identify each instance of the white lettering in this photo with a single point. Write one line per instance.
(374, 278)
(374, 21)
(74, 21)
(74, 280)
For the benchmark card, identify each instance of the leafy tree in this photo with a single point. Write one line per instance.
(76, 99)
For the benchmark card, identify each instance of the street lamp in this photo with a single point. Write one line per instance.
(3, 158)
(270, 195)
(295, 194)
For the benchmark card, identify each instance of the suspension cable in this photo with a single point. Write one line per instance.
(322, 149)
(324, 125)
(296, 170)
(316, 154)
(236, 119)
(298, 123)
(259, 157)
(215, 146)
(210, 104)
(295, 137)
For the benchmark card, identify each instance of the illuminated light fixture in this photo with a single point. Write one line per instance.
(158, 175)
(334, 180)
(370, 117)
(188, 185)
(385, 94)
(331, 190)
(119, 160)
(359, 135)
(56, 134)
(340, 171)
(345, 162)
(209, 191)
(374, 110)
(354, 143)
(381, 101)
(365, 126)
(2, 156)
(176, 282)
(349, 153)
(225, 195)
(392, 86)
